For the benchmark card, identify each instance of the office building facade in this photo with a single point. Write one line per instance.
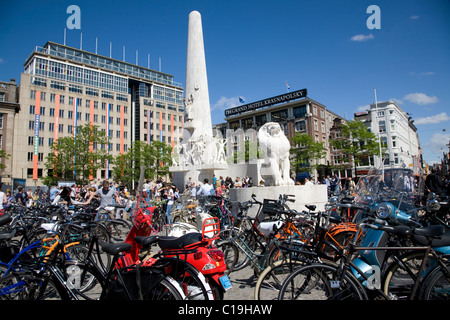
(63, 88)
(9, 107)
(398, 136)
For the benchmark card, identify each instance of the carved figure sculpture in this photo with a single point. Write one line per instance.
(276, 148)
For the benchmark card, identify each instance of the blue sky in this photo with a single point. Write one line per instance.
(254, 47)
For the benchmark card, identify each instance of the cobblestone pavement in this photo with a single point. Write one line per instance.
(243, 282)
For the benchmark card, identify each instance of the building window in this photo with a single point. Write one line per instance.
(300, 112)
(300, 126)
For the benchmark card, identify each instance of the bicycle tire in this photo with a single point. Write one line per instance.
(436, 286)
(118, 229)
(84, 281)
(191, 280)
(272, 278)
(231, 254)
(401, 275)
(166, 289)
(321, 282)
(25, 285)
(249, 240)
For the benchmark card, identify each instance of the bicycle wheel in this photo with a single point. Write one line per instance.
(436, 286)
(401, 275)
(248, 241)
(83, 281)
(167, 289)
(191, 280)
(118, 229)
(321, 282)
(272, 278)
(231, 254)
(29, 286)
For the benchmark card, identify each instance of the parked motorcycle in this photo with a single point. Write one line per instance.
(391, 201)
(194, 247)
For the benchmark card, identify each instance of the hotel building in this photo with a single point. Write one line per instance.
(294, 111)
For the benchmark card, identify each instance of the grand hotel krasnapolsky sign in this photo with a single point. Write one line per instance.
(266, 102)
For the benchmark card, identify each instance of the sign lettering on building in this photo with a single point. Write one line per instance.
(266, 102)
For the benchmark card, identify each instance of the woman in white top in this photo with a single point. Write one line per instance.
(3, 200)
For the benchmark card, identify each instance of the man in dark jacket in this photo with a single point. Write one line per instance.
(434, 183)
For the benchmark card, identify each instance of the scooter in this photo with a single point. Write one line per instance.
(195, 248)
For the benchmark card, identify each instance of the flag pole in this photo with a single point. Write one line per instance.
(379, 133)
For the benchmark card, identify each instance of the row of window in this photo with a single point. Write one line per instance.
(80, 75)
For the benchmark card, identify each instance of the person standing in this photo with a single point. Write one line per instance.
(170, 199)
(107, 196)
(351, 186)
(20, 198)
(205, 189)
(434, 183)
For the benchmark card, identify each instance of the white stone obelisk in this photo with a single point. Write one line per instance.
(198, 112)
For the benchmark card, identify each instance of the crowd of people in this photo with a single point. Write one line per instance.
(100, 194)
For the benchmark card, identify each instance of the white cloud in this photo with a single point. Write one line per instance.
(397, 101)
(438, 141)
(363, 108)
(420, 98)
(1, 60)
(422, 74)
(225, 103)
(362, 37)
(442, 117)
(414, 17)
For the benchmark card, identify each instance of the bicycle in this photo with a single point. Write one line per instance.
(338, 281)
(56, 278)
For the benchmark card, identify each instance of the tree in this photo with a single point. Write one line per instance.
(3, 155)
(77, 157)
(163, 158)
(306, 152)
(356, 144)
(127, 166)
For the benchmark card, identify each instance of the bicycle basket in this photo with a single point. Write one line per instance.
(271, 207)
(139, 283)
(211, 229)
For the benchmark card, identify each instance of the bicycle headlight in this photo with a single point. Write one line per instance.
(383, 211)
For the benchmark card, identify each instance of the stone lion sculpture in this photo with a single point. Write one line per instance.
(275, 145)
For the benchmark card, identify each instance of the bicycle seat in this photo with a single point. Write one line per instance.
(5, 219)
(146, 241)
(115, 248)
(423, 236)
(310, 207)
(168, 242)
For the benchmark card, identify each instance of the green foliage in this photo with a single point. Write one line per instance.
(72, 158)
(141, 154)
(356, 143)
(305, 152)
